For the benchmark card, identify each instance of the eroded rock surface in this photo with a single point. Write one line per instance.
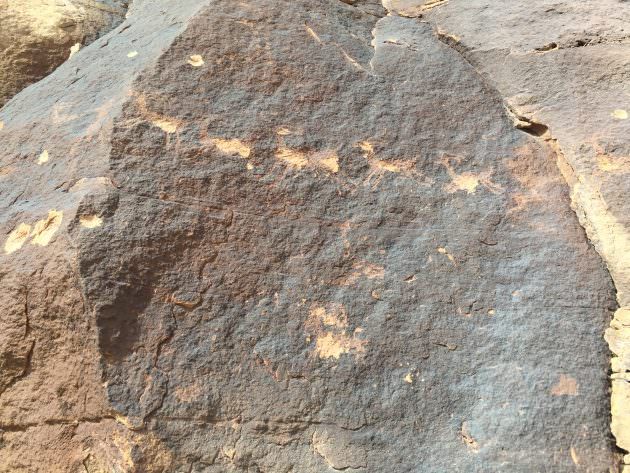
(563, 71)
(36, 36)
(292, 236)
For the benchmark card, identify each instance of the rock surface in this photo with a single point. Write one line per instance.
(38, 35)
(277, 236)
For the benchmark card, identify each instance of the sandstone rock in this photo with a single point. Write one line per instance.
(38, 35)
(292, 236)
(563, 70)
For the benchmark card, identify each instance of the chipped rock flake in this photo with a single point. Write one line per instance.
(196, 60)
(90, 221)
(231, 146)
(74, 49)
(17, 238)
(329, 326)
(43, 157)
(45, 229)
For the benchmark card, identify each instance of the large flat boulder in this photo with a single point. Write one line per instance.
(291, 236)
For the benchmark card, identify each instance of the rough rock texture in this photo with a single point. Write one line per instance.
(563, 69)
(289, 236)
(38, 35)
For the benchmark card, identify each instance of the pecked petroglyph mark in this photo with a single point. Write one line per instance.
(132, 54)
(409, 378)
(468, 439)
(360, 270)
(1, 125)
(45, 229)
(166, 124)
(329, 326)
(41, 233)
(299, 159)
(17, 238)
(231, 147)
(574, 456)
(74, 49)
(292, 157)
(467, 181)
(196, 60)
(312, 33)
(43, 157)
(444, 251)
(380, 168)
(90, 221)
(566, 386)
(619, 114)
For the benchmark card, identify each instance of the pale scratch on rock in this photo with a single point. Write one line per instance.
(45, 229)
(314, 35)
(43, 157)
(231, 147)
(17, 238)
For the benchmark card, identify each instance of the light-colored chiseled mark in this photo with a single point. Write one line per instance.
(132, 54)
(444, 251)
(310, 31)
(1, 125)
(231, 147)
(327, 160)
(620, 114)
(332, 316)
(292, 157)
(445, 34)
(574, 456)
(467, 181)
(409, 378)
(283, 131)
(362, 269)
(90, 221)
(566, 386)
(333, 345)
(45, 229)
(329, 326)
(352, 61)
(74, 49)
(491, 312)
(43, 157)
(468, 439)
(249, 166)
(299, 159)
(464, 182)
(17, 238)
(166, 124)
(196, 60)
(379, 168)
(87, 183)
(228, 452)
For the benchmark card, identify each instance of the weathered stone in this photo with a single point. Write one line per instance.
(38, 35)
(291, 236)
(563, 70)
